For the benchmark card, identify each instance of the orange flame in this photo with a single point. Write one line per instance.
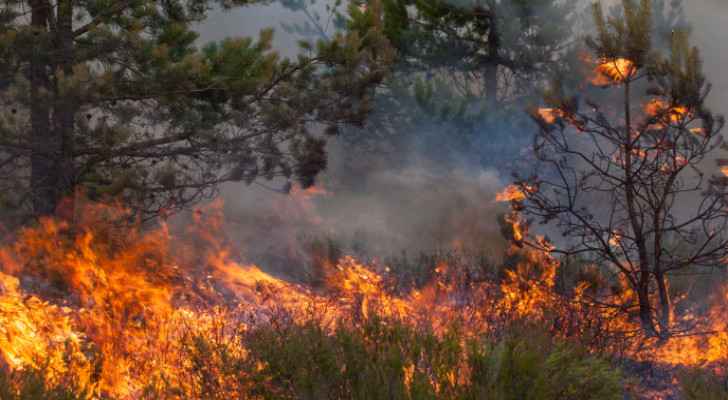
(671, 114)
(615, 239)
(514, 192)
(510, 193)
(609, 72)
(133, 296)
(550, 115)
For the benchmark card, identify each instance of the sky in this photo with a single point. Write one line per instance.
(709, 20)
(396, 207)
(249, 21)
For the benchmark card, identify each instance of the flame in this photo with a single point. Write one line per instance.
(114, 306)
(669, 114)
(608, 72)
(311, 191)
(619, 157)
(510, 193)
(550, 115)
(34, 331)
(615, 238)
(515, 193)
(517, 229)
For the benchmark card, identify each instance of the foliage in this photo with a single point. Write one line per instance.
(120, 100)
(530, 366)
(703, 385)
(463, 74)
(31, 385)
(384, 359)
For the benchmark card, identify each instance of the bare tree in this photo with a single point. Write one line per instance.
(620, 175)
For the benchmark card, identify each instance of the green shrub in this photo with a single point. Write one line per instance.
(31, 385)
(527, 366)
(370, 362)
(387, 360)
(703, 385)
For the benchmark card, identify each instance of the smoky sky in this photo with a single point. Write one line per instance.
(416, 206)
(708, 19)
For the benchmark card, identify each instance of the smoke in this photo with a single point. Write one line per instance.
(430, 193)
(421, 207)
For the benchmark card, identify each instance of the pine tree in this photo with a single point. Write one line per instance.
(620, 172)
(464, 71)
(490, 50)
(115, 97)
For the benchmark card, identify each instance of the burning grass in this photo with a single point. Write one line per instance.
(124, 312)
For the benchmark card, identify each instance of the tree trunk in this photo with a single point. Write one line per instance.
(44, 179)
(645, 306)
(65, 107)
(665, 315)
(665, 304)
(643, 285)
(491, 67)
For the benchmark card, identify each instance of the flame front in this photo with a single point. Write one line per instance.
(115, 309)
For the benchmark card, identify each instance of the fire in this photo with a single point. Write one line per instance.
(637, 154)
(31, 329)
(310, 192)
(550, 115)
(510, 193)
(515, 193)
(114, 306)
(517, 226)
(669, 114)
(608, 72)
(709, 346)
(615, 238)
(724, 170)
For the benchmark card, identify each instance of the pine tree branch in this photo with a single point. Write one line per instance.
(99, 19)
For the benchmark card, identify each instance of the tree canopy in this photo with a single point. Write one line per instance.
(116, 97)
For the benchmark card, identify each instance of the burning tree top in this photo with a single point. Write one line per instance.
(620, 171)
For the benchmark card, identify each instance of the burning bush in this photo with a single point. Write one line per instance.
(127, 312)
(383, 358)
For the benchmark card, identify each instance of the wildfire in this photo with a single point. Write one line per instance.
(550, 115)
(698, 131)
(31, 327)
(115, 308)
(514, 193)
(608, 72)
(615, 239)
(619, 157)
(669, 114)
(510, 193)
